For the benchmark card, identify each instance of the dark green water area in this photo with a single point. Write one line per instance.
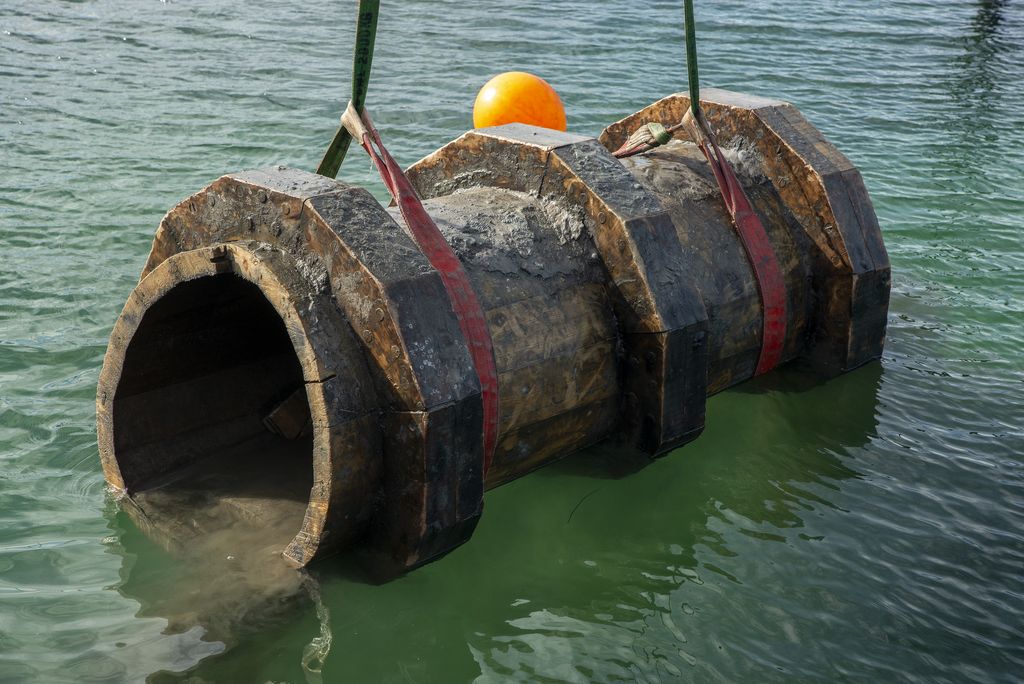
(866, 529)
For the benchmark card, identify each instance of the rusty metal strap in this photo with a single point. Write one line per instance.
(439, 253)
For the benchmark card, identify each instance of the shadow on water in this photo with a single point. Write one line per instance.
(853, 425)
(630, 543)
(978, 72)
(655, 551)
(750, 456)
(978, 79)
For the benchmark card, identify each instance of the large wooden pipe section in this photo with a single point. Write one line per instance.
(290, 358)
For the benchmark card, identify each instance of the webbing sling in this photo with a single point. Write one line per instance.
(362, 60)
(355, 123)
(770, 282)
(441, 256)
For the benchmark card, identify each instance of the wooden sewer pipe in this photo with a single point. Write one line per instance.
(290, 359)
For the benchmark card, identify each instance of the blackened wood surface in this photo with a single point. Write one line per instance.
(617, 296)
(823, 190)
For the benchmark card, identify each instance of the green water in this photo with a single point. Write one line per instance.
(867, 529)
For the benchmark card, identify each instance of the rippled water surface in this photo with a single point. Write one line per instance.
(870, 528)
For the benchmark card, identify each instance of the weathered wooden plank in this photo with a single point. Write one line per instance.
(433, 486)
(558, 385)
(532, 330)
(538, 444)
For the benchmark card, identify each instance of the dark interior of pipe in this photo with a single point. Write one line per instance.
(206, 366)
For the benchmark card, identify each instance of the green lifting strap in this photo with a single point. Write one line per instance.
(362, 60)
(691, 59)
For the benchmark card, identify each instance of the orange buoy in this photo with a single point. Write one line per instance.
(518, 97)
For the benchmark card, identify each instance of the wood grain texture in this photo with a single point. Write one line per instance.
(607, 214)
(159, 412)
(825, 194)
(280, 312)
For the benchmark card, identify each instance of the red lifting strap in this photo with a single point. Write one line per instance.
(770, 282)
(440, 255)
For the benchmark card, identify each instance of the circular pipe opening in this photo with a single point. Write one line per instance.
(211, 424)
(235, 410)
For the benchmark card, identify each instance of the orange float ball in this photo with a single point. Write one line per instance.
(518, 97)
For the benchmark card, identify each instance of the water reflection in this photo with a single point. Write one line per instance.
(745, 483)
(978, 75)
(978, 70)
(644, 553)
(576, 574)
(211, 603)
